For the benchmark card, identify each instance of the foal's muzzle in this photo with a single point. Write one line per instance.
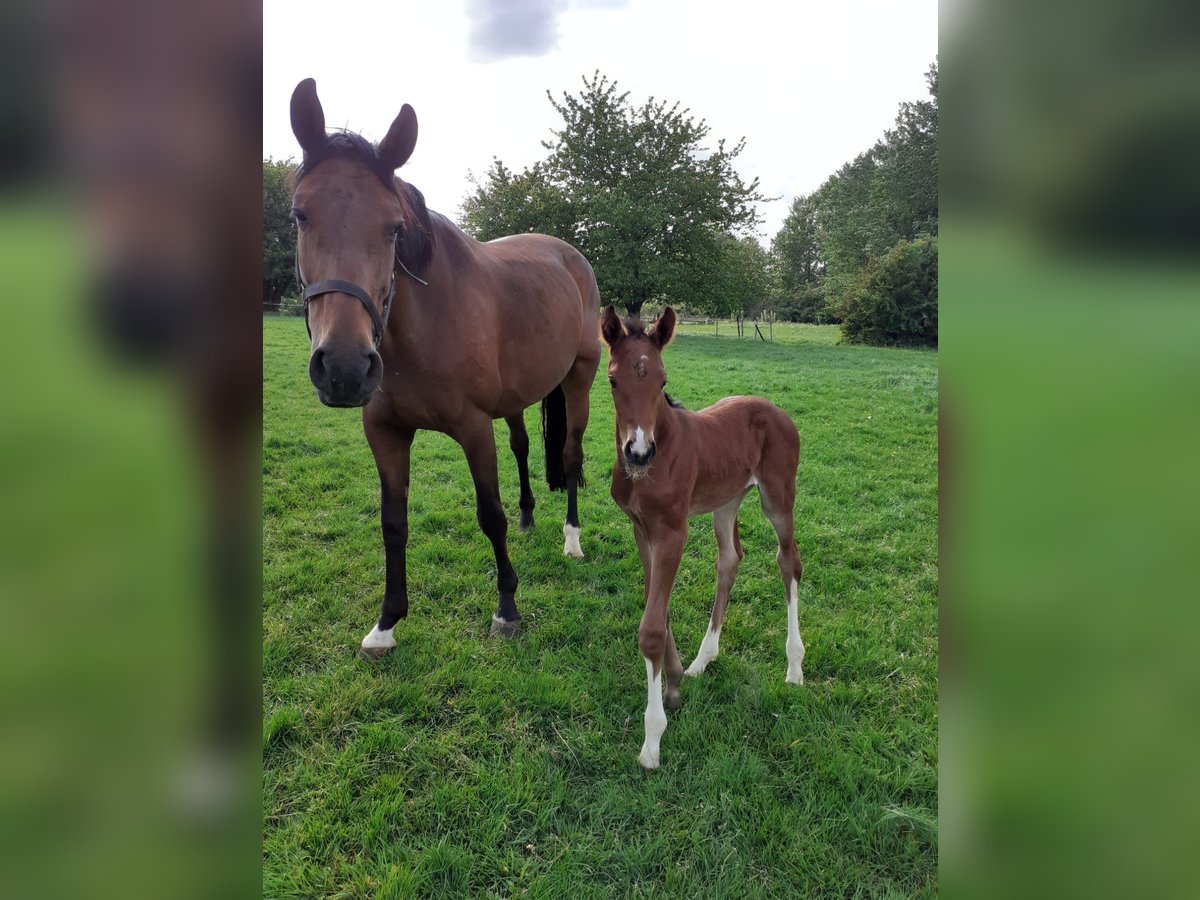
(639, 460)
(345, 376)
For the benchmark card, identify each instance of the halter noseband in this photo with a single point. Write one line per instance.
(336, 286)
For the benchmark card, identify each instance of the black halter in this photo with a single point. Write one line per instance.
(336, 286)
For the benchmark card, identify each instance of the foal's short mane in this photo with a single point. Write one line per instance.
(415, 249)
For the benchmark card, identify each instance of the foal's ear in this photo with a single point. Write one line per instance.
(308, 119)
(664, 328)
(611, 327)
(397, 147)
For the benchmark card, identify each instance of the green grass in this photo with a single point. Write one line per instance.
(468, 766)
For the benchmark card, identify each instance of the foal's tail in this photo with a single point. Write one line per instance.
(554, 436)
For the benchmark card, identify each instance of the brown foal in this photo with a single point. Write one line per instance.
(673, 464)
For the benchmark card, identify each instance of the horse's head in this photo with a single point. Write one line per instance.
(637, 376)
(349, 213)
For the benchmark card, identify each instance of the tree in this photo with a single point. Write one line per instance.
(509, 203)
(798, 266)
(279, 235)
(835, 242)
(634, 188)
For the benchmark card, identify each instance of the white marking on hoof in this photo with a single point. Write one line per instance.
(377, 643)
(571, 542)
(795, 646)
(656, 718)
(707, 653)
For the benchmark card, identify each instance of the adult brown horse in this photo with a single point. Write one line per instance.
(426, 328)
(672, 464)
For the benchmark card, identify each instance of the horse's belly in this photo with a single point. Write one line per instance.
(714, 495)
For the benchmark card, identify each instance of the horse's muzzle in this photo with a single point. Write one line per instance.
(638, 460)
(345, 377)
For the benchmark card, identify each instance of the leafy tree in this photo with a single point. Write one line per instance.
(634, 188)
(798, 266)
(279, 235)
(895, 302)
(833, 244)
(510, 203)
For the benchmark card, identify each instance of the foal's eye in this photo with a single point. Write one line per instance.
(299, 218)
(394, 231)
(612, 383)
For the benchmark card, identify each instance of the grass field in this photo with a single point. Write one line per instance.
(468, 766)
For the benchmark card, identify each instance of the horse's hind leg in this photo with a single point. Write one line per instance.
(518, 441)
(576, 387)
(729, 555)
(778, 499)
(479, 443)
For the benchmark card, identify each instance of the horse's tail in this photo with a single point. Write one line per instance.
(554, 436)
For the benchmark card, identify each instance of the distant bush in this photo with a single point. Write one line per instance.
(807, 304)
(895, 303)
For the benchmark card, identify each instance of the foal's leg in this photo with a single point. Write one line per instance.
(778, 499)
(666, 547)
(479, 443)
(518, 442)
(729, 554)
(671, 663)
(576, 387)
(391, 447)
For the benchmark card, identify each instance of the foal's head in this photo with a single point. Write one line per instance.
(350, 211)
(637, 376)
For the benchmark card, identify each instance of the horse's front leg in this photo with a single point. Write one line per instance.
(479, 444)
(666, 550)
(391, 447)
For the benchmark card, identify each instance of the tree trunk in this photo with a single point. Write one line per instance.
(634, 307)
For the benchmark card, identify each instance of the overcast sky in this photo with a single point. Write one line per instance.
(808, 85)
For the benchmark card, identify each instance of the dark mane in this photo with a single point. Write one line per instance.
(634, 327)
(415, 249)
(347, 145)
(672, 402)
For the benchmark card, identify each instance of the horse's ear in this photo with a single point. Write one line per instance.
(664, 328)
(611, 327)
(308, 119)
(397, 147)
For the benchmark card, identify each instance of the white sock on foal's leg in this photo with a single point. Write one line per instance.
(795, 646)
(656, 718)
(708, 650)
(571, 542)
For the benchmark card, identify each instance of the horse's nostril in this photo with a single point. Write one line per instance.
(316, 369)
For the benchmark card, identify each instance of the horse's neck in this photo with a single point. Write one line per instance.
(407, 326)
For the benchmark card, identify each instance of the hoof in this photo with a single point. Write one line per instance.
(369, 653)
(504, 628)
(693, 670)
(671, 701)
(526, 521)
(377, 644)
(648, 760)
(795, 678)
(571, 546)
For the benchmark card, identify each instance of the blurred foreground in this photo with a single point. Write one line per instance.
(129, 548)
(1069, 439)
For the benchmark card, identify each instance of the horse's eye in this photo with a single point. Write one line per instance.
(612, 383)
(299, 217)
